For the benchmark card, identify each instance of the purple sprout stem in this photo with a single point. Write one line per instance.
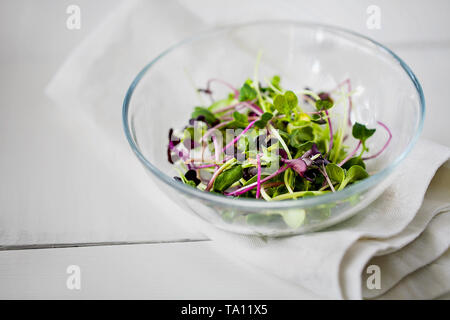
(236, 91)
(258, 181)
(385, 145)
(239, 136)
(331, 131)
(253, 107)
(210, 131)
(227, 108)
(230, 109)
(350, 155)
(254, 184)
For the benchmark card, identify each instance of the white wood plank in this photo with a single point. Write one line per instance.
(164, 271)
(59, 180)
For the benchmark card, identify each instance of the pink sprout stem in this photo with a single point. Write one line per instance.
(385, 145)
(254, 184)
(213, 178)
(230, 109)
(239, 136)
(349, 156)
(210, 131)
(236, 91)
(253, 107)
(258, 181)
(227, 108)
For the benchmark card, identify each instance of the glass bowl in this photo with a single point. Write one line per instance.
(163, 95)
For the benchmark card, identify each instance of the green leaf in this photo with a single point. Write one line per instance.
(254, 179)
(361, 132)
(318, 118)
(191, 183)
(294, 218)
(265, 117)
(221, 103)
(355, 173)
(285, 136)
(189, 133)
(280, 104)
(291, 100)
(200, 111)
(240, 121)
(247, 93)
(300, 136)
(227, 178)
(285, 103)
(335, 173)
(302, 148)
(276, 82)
(323, 104)
(354, 161)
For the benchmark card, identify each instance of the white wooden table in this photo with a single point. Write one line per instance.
(51, 181)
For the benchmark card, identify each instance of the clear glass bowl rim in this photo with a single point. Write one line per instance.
(252, 204)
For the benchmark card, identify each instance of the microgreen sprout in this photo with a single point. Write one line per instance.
(291, 143)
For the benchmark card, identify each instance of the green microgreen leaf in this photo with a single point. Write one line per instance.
(355, 173)
(291, 100)
(354, 161)
(227, 178)
(240, 121)
(318, 118)
(265, 117)
(335, 173)
(275, 81)
(300, 136)
(221, 103)
(285, 103)
(323, 104)
(280, 104)
(247, 93)
(302, 148)
(200, 111)
(191, 183)
(361, 132)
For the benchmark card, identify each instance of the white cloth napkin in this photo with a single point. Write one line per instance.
(392, 233)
